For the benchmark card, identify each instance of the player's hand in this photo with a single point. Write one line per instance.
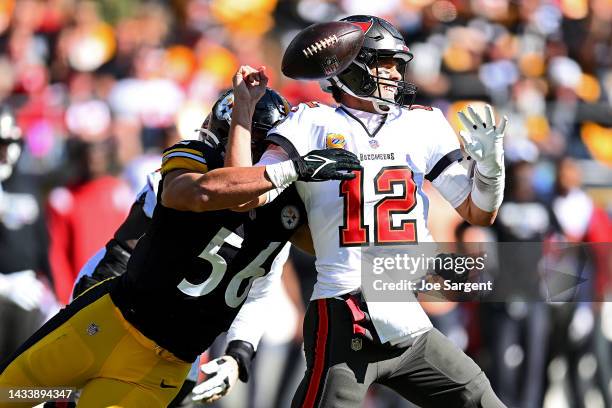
(249, 85)
(222, 374)
(484, 141)
(326, 164)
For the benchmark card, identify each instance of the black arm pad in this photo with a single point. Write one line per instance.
(113, 263)
(243, 352)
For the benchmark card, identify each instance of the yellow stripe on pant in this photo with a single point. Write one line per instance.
(97, 350)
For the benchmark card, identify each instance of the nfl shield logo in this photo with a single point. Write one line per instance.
(374, 144)
(356, 344)
(93, 329)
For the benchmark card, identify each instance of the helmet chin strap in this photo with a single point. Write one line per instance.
(381, 106)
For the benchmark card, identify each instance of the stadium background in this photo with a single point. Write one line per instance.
(115, 81)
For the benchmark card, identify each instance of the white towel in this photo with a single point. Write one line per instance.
(398, 322)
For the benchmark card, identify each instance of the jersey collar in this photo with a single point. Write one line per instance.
(363, 117)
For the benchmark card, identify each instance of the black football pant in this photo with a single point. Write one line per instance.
(432, 372)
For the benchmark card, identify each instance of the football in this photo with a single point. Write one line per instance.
(322, 50)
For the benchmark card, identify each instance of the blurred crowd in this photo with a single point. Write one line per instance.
(99, 88)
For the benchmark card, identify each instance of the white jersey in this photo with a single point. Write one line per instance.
(385, 203)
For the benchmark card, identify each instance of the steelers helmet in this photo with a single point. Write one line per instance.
(269, 110)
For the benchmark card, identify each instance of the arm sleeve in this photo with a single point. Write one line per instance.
(273, 154)
(454, 184)
(250, 322)
(444, 169)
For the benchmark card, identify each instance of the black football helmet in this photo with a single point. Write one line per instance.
(382, 40)
(10, 142)
(269, 110)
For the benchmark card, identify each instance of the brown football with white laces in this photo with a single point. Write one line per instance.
(322, 50)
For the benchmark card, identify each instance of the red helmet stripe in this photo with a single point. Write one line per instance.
(364, 25)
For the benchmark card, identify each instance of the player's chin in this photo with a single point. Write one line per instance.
(388, 96)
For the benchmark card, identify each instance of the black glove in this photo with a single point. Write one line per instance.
(326, 164)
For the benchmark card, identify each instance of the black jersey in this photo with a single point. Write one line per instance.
(190, 273)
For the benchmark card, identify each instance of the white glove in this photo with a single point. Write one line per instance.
(222, 374)
(484, 141)
(22, 288)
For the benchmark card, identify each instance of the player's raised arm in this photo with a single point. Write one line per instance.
(475, 193)
(245, 139)
(249, 87)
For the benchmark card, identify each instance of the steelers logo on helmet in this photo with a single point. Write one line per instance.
(223, 110)
(290, 217)
(271, 108)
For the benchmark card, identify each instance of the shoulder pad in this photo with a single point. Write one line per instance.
(191, 155)
(310, 104)
(188, 144)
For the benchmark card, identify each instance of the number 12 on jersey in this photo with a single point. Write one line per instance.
(354, 231)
